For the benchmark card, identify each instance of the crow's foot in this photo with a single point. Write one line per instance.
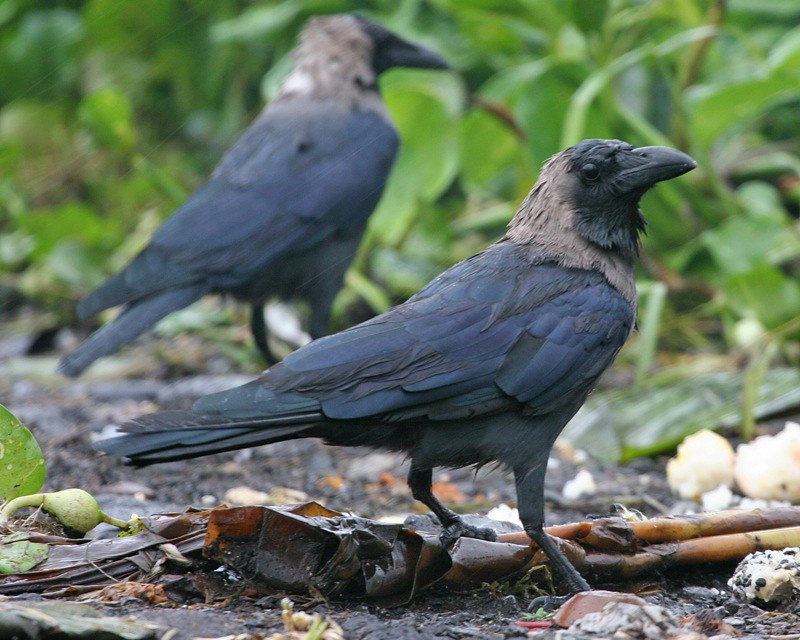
(548, 603)
(460, 529)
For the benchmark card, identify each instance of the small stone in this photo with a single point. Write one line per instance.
(508, 605)
(284, 324)
(582, 484)
(699, 593)
(129, 488)
(280, 496)
(240, 496)
(372, 465)
(717, 499)
(504, 513)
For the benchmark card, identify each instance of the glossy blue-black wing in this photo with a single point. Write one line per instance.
(459, 345)
(566, 346)
(298, 175)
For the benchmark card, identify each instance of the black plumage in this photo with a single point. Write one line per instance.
(487, 363)
(284, 212)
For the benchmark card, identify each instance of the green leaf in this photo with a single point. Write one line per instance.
(22, 468)
(780, 9)
(576, 118)
(427, 162)
(740, 244)
(715, 109)
(39, 57)
(18, 554)
(764, 292)
(255, 23)
(624, 424)
(109, 117)
(490, 150)
(786, 54)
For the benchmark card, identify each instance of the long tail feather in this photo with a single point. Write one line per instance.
(178, 435)
(131, 323)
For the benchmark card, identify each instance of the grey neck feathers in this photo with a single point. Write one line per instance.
(333, 60)
(546, 221)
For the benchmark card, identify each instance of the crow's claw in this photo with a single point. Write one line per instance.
(461, 529)
(548, 603)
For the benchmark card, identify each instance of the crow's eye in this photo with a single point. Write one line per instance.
(590, 172)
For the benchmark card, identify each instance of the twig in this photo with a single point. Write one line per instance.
(610, 533)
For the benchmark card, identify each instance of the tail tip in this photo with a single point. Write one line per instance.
(71, 366)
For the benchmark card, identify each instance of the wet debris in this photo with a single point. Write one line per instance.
(711, 622)
(152, 594)
(77, 565)
(303, 626)
(28, 620)
(310, 549)
(768, 577)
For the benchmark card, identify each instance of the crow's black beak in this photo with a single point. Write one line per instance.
(393, 51)
(396, 52)
(648, 165)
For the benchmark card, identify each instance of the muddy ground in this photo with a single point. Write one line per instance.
(64, 414)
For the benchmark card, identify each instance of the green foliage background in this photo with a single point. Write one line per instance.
(112, 111)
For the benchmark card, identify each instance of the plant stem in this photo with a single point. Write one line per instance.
(753, 378)
(115, 522)
(12, 506)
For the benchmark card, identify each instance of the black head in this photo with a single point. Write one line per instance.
(609, 178)
(390, 50)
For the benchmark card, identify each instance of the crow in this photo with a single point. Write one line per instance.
(487, 363)
(283, 213)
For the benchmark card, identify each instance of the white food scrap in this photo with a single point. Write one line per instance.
(769, 466)
(704, 462)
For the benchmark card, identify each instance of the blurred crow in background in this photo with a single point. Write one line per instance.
(283, 213)
(487, 363)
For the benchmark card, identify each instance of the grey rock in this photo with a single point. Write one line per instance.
(372, 465)
(650, 622)
(697, 593)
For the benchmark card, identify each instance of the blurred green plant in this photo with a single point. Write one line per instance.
(111, 112)
(22, 468)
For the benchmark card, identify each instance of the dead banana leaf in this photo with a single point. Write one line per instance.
(84, 563)
(310, 549)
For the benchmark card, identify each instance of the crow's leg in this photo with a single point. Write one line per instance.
(320, 323)
(454, 527)
(530, 500)
(258, 327)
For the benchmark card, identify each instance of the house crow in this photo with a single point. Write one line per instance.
(487, 363)
(283, 213)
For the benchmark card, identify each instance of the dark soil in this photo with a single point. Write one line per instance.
(64, 415)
